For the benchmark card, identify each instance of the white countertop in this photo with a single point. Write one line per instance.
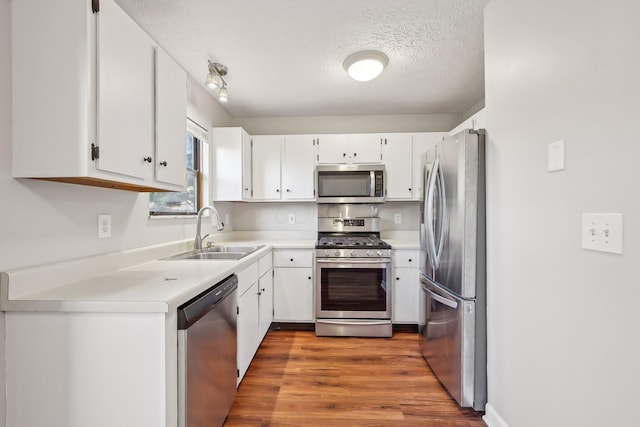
(134, 281)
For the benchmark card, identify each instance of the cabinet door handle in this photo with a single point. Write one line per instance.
(163, 163)
(277, 190)
(148, 159)
(409, 259)
(246, 189)
(288, 191)
(355, 154)
(344, 154)
(291, 259)
(397, 278)
(309, 277)
(409, 189)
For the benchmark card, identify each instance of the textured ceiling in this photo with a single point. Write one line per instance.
(285, 56)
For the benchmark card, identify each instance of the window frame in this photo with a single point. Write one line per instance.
(200, 171)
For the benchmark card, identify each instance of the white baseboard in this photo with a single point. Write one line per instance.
(491, 417)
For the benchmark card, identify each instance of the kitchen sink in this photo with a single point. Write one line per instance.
(223, 252)
(230, 248)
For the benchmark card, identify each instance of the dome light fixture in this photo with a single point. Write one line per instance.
(366, 65)
(215, 80)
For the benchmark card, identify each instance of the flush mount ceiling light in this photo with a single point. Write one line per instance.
(366, 65)
(215, 80)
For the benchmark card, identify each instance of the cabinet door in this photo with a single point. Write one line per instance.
(421, 143)
(406, 292)
(333, 148)
(365, 148)
(266, 167)
(247, 328)
(171, 113)
(247, 187)
(125, 94)
(298, 167)
(265, 301)
(293, 295)
(231, 148)
(396, 156)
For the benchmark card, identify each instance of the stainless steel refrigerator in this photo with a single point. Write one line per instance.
(453, 267)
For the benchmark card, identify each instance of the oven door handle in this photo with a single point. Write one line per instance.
(353, 322)
(370, 261)
(440, 299)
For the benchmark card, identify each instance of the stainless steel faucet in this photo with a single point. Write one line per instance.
(197, 244)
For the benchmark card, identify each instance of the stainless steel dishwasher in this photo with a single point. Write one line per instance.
(207, 347)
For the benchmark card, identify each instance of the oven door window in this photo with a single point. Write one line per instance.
(353, 289)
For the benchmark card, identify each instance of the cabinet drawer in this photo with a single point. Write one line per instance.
(247, 277)
(293, 258)
(264, 264)
(406, 258)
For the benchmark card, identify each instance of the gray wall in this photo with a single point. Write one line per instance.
(563, 321)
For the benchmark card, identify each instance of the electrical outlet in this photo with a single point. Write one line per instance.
(104, 226)
(292, 218)
(397, 218)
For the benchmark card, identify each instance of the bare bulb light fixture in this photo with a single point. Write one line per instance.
(366, 65)
(215, 80)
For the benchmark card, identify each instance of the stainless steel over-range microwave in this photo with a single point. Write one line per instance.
(350, 183)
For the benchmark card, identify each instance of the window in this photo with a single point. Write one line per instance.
(187, 202)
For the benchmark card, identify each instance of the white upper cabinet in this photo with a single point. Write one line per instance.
(90, 118)
(125, 95)
(396, 156)
(352, 148)
(231, 164)
(283, 167)
(332, 148)
(365, 148)
(298, 167)
(266, 152)
(171, 110)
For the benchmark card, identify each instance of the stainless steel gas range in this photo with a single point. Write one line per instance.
(353, 272)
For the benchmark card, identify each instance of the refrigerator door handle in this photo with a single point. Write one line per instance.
(429, 226)
(443, 215)
(440, 299)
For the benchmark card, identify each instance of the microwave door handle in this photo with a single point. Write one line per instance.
(441, 300)
(372, 183)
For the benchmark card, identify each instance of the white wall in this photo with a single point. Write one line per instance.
(348, 124)
(275, 216)
(563, 345)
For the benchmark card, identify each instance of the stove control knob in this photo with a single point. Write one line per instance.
(379, 253)
(353, 253)
(337, 253)
(326, 252)
(369, 253)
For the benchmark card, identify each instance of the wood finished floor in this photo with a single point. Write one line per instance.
(298, 379)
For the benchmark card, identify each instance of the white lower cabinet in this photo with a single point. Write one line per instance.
(406, 286)
(293, 286)
(255, 310)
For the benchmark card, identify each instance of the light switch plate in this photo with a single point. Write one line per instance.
(397, 218)
(555, 156)
(602, 232)
(292, 218)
